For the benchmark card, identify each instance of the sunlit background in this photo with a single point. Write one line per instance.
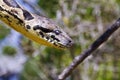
(84, 21)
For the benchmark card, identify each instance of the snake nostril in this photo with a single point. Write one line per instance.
(69, 43)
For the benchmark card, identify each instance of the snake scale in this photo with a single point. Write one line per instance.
(37, 28)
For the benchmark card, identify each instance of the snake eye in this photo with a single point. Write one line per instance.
(57, 32)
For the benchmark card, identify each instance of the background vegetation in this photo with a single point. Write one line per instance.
(84, 21)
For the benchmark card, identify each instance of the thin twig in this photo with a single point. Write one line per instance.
(87, 52)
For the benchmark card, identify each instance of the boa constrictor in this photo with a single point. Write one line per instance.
(39, 29)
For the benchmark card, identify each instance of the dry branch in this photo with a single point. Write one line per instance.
(87, 52)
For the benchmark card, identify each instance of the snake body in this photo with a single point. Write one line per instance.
(38, 28)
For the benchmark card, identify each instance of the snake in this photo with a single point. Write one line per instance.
(37, 28)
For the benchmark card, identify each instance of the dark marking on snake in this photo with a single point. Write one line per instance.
(19, 20)
(1, 9)
(11, 3)
(55, 44)
(27, 15)
(51, 40)
(45, 30)
(15, 16)
(54, 38)
(1, 16)
(37, 27)
(7, 17)
(28, 26)
(42, 35)
(43, 21)
(14, 11)
(47, 38)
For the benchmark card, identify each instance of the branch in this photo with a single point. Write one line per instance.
(89, 51)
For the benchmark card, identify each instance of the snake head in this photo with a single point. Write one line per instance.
(35, 27)
(51, 33)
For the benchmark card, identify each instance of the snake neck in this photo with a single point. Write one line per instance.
(12, 8)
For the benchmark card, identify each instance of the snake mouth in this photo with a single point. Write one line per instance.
(70, 43)
(57, 41)
(66, 44)
(59, 44)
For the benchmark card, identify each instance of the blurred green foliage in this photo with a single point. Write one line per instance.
(50, 6)
(8, 50)
(3, 32)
